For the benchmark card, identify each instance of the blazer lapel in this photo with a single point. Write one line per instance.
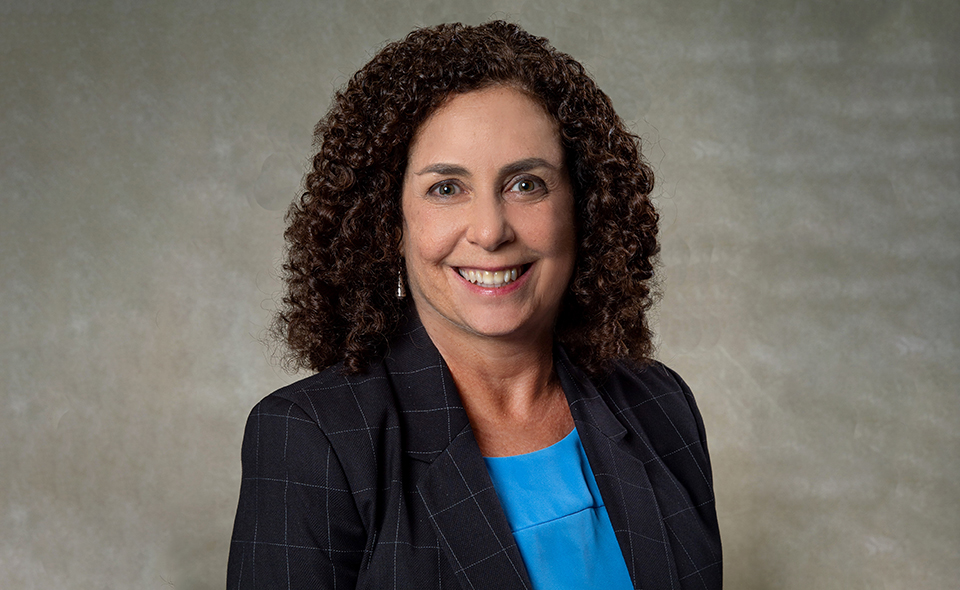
(623, 481)
(466, 513)
(448, 469)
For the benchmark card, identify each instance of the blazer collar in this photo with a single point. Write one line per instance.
(426, 396)
(430, 404)
(586, 405)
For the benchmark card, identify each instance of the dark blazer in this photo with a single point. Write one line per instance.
(376, 481)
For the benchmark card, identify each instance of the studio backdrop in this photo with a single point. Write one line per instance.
(807, 179)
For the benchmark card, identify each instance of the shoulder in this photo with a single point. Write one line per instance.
(297, 502)
(648, 382)
(351, 415)
(658, 400)
(311, 416)
(337, 403)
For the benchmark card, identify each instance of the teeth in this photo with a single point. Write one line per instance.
(485, 278)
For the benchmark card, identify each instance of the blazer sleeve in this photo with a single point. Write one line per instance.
(698, 420)
(297, 524)
(706, 505)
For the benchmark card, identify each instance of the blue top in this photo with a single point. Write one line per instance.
(558, 519)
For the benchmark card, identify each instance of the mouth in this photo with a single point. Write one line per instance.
(493, 279)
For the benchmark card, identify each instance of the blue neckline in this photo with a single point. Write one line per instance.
(562, 444)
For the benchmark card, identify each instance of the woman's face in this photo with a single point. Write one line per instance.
(488, 222)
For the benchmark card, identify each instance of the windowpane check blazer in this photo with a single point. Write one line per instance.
(376, 481)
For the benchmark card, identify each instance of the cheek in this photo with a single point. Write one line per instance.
(554, 234)
(425, 238)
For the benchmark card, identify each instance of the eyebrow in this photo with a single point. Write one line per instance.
(444, 169)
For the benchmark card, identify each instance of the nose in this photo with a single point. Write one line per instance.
(488, 225)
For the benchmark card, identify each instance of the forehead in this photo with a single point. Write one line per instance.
(498, 118)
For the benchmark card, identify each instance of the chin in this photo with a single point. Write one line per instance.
(500, 327)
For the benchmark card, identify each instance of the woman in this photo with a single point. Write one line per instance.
(469, 271)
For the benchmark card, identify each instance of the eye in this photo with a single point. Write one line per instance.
(445, 189)
(526, 185)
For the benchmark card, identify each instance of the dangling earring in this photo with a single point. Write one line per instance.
(401, 291)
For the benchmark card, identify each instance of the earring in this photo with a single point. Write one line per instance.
(401, 291)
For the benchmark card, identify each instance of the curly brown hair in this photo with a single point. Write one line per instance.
(343, 234)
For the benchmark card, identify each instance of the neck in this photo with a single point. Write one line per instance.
(508, 387)
(511, 369)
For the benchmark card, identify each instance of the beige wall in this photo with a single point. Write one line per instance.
(808, 178)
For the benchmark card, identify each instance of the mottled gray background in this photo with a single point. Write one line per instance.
(808, 178)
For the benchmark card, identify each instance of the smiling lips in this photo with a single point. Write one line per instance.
(491, 279)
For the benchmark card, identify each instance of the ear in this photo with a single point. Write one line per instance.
(398, 237)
